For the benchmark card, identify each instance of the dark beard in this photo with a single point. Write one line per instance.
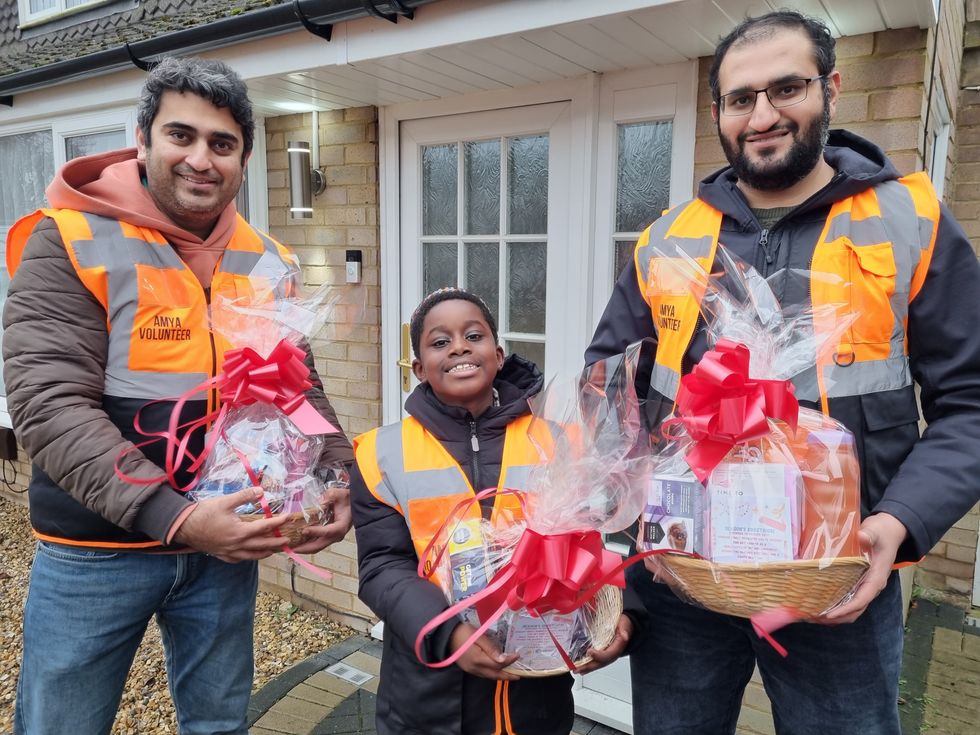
(802, 158)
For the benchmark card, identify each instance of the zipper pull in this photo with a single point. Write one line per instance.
(474, 442)
(764, 244)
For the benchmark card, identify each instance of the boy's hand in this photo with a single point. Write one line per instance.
(603, 656)
(483, 658)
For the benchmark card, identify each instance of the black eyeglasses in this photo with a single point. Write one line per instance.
(783, 94)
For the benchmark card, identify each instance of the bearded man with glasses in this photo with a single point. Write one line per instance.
(799, 197)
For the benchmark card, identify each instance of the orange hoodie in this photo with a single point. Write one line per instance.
(109, 184)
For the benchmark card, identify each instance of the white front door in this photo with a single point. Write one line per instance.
(484, 206)
(533, 199)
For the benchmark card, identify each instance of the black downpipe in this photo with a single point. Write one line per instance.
(261, 23)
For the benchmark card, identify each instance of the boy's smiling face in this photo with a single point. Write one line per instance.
(458, 356)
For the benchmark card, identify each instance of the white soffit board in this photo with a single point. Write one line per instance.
(457, 47)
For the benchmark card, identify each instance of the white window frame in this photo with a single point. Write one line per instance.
(27, 18)
(645, 95)
(939, 156)
(95, 122)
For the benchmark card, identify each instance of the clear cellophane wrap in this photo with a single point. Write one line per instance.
(263, 443)
(589, 481)
(764, 506)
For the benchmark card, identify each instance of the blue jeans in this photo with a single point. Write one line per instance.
(85, 616)
(692, 665)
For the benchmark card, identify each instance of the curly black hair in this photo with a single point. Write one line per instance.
(450, 293)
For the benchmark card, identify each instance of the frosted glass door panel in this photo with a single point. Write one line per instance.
(643, 174)
(527, 170)
(439, 183)
(439, 266)
(482, 170)
(482, 273)
(527, 263)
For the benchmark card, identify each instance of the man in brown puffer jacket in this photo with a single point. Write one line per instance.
(106, 317)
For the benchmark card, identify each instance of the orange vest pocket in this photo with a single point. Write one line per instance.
(170, 332)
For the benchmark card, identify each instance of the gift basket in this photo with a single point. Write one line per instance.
(753, 500)
(266, 433)
(537, 578)
(263, 431)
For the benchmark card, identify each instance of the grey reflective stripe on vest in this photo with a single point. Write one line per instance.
(110, 248)
(665, 380)
(399, 487)
(869, 376)
(908, 234)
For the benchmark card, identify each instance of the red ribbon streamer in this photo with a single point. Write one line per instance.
(720, 406)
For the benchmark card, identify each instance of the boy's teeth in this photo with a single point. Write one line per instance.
(457, 368)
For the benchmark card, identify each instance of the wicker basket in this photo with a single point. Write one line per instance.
(811, 586)
(608, 605)
(292, 529)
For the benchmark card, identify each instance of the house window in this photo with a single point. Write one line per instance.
(940, 147)
(87, 144)
(32, 10)
(31, 154)
(35, 155)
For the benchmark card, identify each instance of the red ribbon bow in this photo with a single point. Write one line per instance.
(557, 572)
(560, 572)
(720, 406)
(279, 380)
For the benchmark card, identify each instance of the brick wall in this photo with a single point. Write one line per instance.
(345, 216)
(950, 565)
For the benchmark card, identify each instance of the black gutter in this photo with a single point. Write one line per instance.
(261, 23)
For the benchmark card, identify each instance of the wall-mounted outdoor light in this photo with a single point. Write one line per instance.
(305, 180)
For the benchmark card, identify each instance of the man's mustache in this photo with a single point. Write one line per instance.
(789, 127)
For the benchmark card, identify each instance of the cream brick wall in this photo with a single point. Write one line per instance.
(950, 565)
(345, 216)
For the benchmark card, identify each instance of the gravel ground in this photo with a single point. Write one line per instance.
(284, 636)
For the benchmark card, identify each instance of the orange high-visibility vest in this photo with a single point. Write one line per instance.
(407, 468)
(160, 345)
(879, 242)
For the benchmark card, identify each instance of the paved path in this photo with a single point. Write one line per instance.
(333, 693)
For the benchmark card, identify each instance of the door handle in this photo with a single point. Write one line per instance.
(405, 362)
